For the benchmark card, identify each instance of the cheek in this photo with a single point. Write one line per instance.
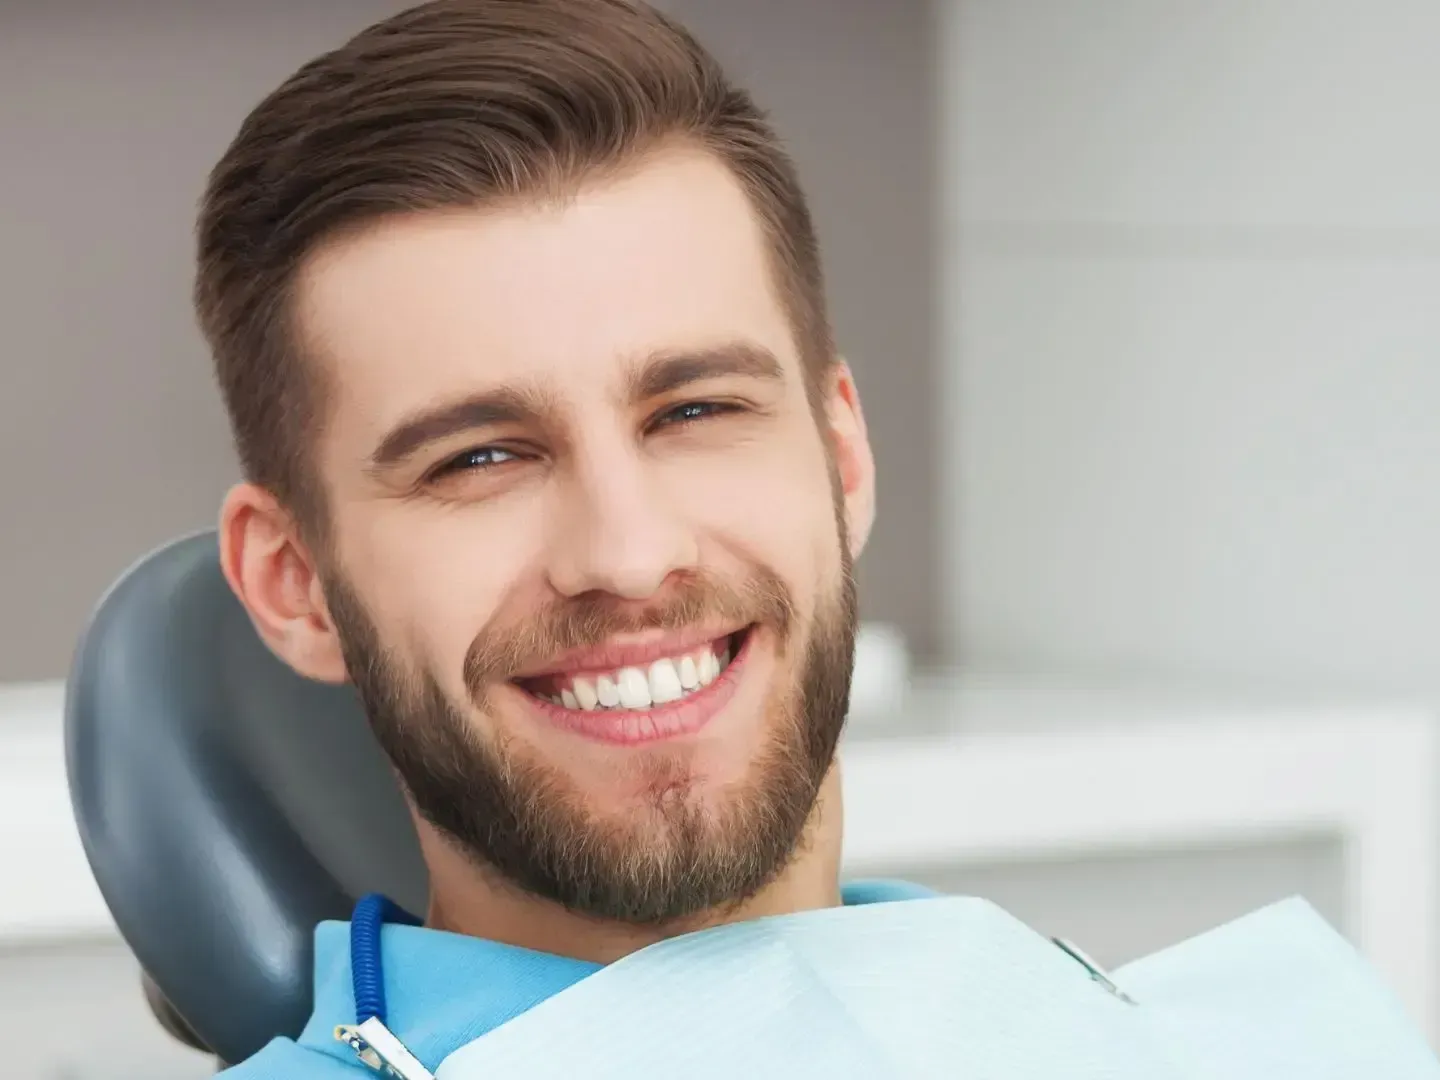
(433, 578)
(769, 502)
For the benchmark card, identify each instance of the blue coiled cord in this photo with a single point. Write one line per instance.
(366, 966)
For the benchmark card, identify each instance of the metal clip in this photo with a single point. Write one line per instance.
(377, 1047)
(1096, 971)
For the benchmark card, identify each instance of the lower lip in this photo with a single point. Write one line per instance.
(635, 727)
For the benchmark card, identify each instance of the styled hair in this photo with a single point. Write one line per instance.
(452, 104)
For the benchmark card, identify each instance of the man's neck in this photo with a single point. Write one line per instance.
(469, 901)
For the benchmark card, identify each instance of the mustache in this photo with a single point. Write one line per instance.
(590, 619)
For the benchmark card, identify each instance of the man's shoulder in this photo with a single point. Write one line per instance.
(883, 891)
(283, 1059)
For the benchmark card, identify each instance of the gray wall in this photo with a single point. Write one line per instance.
(1194, 256)
(111, 111)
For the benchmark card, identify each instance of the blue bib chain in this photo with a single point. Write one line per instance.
(373, 1042)
(367, 966)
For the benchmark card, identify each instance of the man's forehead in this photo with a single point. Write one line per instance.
(666, 258)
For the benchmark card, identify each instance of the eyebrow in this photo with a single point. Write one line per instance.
(665, 372)
(509, 405)
(657, 374)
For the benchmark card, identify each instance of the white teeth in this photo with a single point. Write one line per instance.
(585, 694)
(665, 682)
(607, 691)
(634, 689)
(660, 683)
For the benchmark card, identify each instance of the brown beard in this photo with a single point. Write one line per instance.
(521, 818)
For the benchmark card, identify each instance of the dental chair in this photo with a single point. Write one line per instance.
(226, 805)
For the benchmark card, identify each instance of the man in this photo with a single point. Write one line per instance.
(517, 311)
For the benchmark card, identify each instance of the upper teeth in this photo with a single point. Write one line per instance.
(665, 680)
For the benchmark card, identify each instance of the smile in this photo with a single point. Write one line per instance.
(649, 697)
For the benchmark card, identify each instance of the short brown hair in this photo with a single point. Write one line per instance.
(446, 105)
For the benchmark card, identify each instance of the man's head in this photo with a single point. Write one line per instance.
(517, 311)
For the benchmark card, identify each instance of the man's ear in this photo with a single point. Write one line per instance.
(854, 461)
(274, 574)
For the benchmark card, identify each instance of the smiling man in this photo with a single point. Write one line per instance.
(517, 311)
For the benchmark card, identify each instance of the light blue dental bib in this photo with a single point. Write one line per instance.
(953, 987)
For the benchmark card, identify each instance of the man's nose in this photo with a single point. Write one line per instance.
(622, 530)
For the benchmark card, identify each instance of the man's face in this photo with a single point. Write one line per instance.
(588, 559)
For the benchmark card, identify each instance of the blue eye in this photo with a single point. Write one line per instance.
(481, 457)
(692, 411)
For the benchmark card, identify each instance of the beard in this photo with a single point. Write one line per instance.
(677, 855)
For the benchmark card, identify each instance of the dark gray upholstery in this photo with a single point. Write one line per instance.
(226, 805)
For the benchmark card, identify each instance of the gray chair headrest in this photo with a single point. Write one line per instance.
(226, 805)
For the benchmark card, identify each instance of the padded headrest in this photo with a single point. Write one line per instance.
(226, 805)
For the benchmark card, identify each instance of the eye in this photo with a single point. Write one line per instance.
(691, 411)
(473, 460)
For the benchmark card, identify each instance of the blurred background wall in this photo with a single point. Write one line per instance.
(1193, 355)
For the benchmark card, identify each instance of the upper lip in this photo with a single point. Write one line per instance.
(620, 652)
